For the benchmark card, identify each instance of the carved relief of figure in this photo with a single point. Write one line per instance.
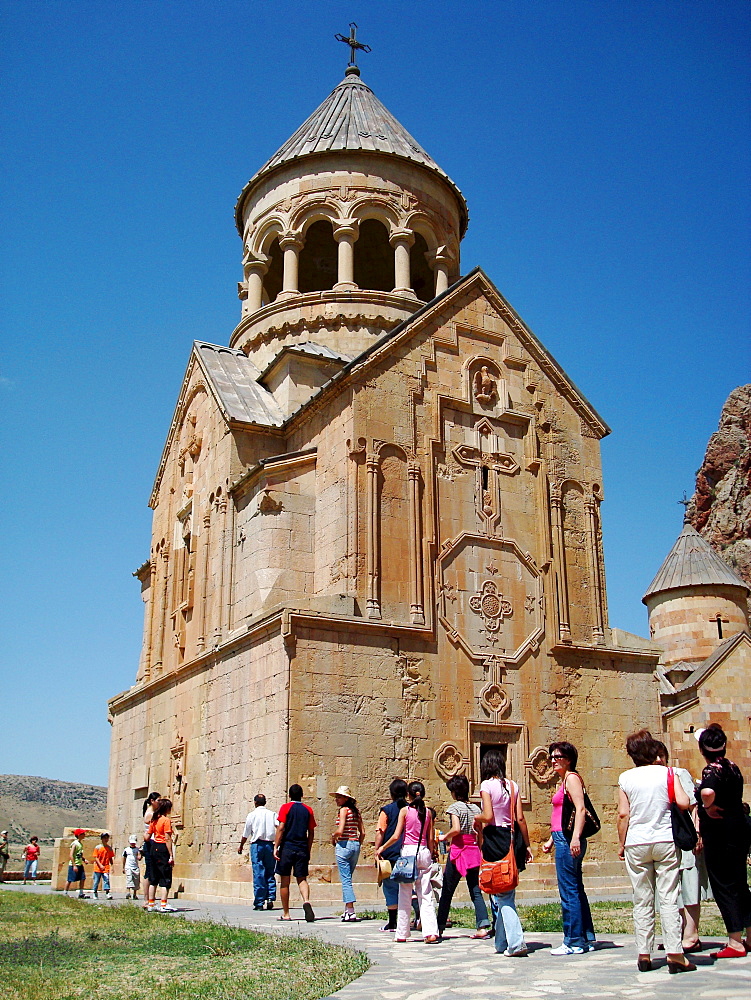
(193, 446)
(484, 386)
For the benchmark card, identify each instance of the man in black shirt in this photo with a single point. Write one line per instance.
(292, 847)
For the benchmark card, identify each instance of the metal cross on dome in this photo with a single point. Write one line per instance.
(353, 43)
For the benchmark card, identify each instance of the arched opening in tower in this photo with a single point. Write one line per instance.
(374, 257)
(272, 282)
(421, 275)
(318, 258)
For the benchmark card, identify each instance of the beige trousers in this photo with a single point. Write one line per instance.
(650, 867)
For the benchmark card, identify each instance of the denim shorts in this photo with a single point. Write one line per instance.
(76, 873)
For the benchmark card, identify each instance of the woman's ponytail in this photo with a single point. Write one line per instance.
(417, 793)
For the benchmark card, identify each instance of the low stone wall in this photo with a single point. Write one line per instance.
(18, 877)
(61, 856)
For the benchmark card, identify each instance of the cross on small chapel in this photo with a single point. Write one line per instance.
(353, 43)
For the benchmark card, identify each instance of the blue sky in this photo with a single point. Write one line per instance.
(605, 152)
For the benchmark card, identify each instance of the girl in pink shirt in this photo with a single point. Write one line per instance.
(416, 824)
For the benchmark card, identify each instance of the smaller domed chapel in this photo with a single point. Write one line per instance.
(377, 545)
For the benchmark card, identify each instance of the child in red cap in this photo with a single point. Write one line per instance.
(76, 871)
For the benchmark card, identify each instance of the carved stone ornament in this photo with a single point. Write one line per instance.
(491, 606)
(482, 589)
(448, 760)
(177, 781)
(484, 386)
(540, 766)
(266, 504)
(494, 699)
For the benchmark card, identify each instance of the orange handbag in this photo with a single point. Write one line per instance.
(499, 877)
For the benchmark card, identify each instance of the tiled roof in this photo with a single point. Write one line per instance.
(318, 350)
(352, 118)
(692, 562)
(233, 378)
(308, 348)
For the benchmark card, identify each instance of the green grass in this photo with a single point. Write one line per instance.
(54, 948)
(545, 918)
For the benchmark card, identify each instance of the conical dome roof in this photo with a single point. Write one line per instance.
(352, 119)
(692, 562)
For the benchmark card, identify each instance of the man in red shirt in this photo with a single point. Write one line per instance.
(292, 847)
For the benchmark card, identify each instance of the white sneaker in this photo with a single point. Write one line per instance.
(166, 909)
(565, 949)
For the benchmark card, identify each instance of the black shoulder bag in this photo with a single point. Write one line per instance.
(568, 816)
(684, 831)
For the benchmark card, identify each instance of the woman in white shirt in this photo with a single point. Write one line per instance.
(646, 844)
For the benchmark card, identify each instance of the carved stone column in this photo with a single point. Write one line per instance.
(203, 599)
(345, 234)
(148, 655)
(162, 612)
(255, 271)
(291, 244)
(401, 240)
(372, 601)
(440, 261)
(564, 628)
(356, 454)
(417, 606)
(229, 561)
(595, 569)
(219, 604)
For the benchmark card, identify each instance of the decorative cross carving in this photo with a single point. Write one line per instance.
(491, 606)
(353, 43)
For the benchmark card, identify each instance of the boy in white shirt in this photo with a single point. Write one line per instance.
(131, 870)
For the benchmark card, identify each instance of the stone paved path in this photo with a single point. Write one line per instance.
(463, 969)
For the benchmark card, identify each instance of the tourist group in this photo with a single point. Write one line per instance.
(680, 840)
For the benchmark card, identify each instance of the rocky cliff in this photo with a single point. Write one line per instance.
(720, 508)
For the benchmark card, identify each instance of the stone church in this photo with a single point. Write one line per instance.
(377, 545)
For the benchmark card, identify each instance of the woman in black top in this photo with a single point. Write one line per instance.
(388, 817)
(723, 829)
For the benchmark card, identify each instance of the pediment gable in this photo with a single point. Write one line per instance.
(445, 311)
(230, 379)
(705, 669)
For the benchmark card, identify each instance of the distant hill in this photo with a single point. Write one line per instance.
(43, 807)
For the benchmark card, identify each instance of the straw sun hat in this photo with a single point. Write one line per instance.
(384, 869)
(342, 790)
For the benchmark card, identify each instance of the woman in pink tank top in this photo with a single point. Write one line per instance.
(416, 824)
(570, 847)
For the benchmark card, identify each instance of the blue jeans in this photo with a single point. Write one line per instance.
(101, 877)
(509, 935)
(264, 883)
(390, 892)
(30, 869)
(578, 930)
(347, 852)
